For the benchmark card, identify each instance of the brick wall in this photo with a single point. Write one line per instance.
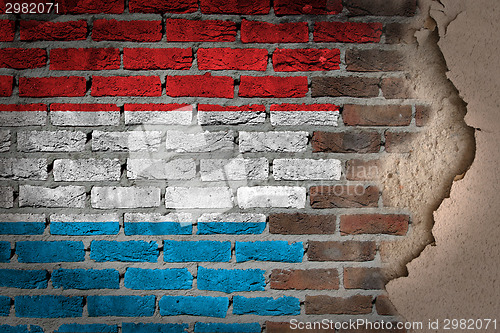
(208, 166)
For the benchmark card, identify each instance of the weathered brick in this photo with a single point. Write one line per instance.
(50, 141)
(23, 168)
(200, 86)
(231, 223)
(59, 197)
(297, 60)
(297, 7)
(158, 114)
(196, 251)
(130, 251)
(345, 86)
(393, 87)
(363, 278)
(400, 142)
(7, 30)
(354, 305)
(67, 328)
(91, 7)
(272, 196)
(391, 224)
(373, 60)
(161, 169)
(231, 115)
(381, 7)
(6, 85)
(121, 306)
(53, 31)
(341, 251)
(124, 197)
(85, 279)
(6, 198)
(304, 114)
(242, 7)
(126, 31)
(84, 59)
(231, 280)
(347, 32)
(84, 224)
(301, 224)
(263, 32)
(315, 279)
(86, 170)
(48, 252)
(158, 279)
(126, 141)
(48, 306)
(5, 251)
(23, 114)
(280, 142)
(266, 306)
(19, 58)
(4, 140)
(306, 169)
(363, 169)
(145, 86)
(23, 279)
(161, 7)
(157, 224)
(273, 86)
(344, 196)
(346, 142)
(205, 306)
(223, 327)
(235, 59)
(84, 114)
(234, 169)
(183, 142)
(398, 33)
(198, 197)
(145, 328)
(384, 306)
(422, 115)
(182, 30)
(64, 86)
(151, 59)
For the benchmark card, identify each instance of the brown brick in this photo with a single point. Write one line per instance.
(381, 7)
(422, 115)
(302, 224)
(316, 279)
(348, 142)
(399, 142)
(284, 327)
(345, 86)
(391, 224)
(341, 251)
(354, 305)
(343, 196)
(362, 170)
(396, 88)
(375, 61)
(376, 115)
(397, 33)
(384, 306)
(363, 278)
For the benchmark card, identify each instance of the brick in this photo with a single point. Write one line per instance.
(396, 88)
(145, 86)
(69, 328)
(5, 251)
(18, 58)
(6, 199)
(241, 7)
(391, 224)
(58, 197)
(398, 33)
(48, 252)
(31, 31)
(277, 251)
(86, 170)
(4, 140)
(24, 279)
(354, 305)
(50, 141)
(200, 86)
(158, 114)
(346, 142)
(347, 32)
(205, 306)
(23, 169)
(344, 196)
(373, 60)
(146, 328)
(161, 169)
(121, 306)
(20, 328)
(341, 251)
(64, 86)
(231, 115)
(363, 278)
(301, 224)
(183, 142)
(126, 141)
(345, 86)
(198, 197)
(21, 224)
(315, 279)
(157, 224)
(384, 306)
(263, 32)
(198, 251)
(306, 169)
(7, 30)
(422, 115)
(231, 224)
(23, 114)
(266, 306)
(182, 30)
(363, 170)
(84, 224)
(6, 85)
(222, 327)
(84, 114)
(381, 7)
(91, 7)
(273, 86)
(48, 306)
(286, 327)
(84, 59)
(400, 142)
(129, 251)
(279, 142)
(151, 59)
(300, 60)
(234, 169)
(158, 279)
(232, 59)
(298, 7)
(5, 306)
(304, 114)
(86, 279)
(231, 280)
(161, 7)
(271, 197)
(126, 31)
(124, 197)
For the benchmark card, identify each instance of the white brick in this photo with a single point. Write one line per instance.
(231, 117)
(84, 218)
(182, 116)
(154, 217)
(125, 197)
(23, 118)
(232, 217)
(161, 169)
(31, 141)
(23, 168)
(234, 169)
(22, 218)
(59, 197)
(281, 142)
(126, 141)
(183, 142)
(301, 118)
(6, 197)
(4, 140)
(85, 118)
(199, 197)
(86, 170)
(272, 196)
(306, 169)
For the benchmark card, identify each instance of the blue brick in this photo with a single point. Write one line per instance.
(230, 228)
(21, 329)
(4, 251)
(269, 251)
(121, 306)
(48, 306)
(157, 228)
(154, 328)
(152, 279)
(40, 252)
(89, 328)
(131, 251)
(22, 228)
(23, 279)
(4, 306)
(86, 279)
(84, 228)
(200, 251)
(266, 306)
(227, 328)
(194, 306)
(231, 280)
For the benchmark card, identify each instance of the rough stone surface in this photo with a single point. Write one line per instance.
(6, 197)
(46, 141)
(23, 168)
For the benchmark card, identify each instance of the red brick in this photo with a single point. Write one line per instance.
(375, 60)
(181, 30)
(314, 279)
(391, 224)
(362, 170)
(394, 87)
(83, 107)
(235, 59)
(377, 115)
(7, 30)
(129, 31)
(150, 59)
(323, 304)
(91, 6)
(126, 86)
(298, 7)
(200, 86)
(347, 142)
(53, 31)
(422, 115)
(347, 32)
(250, 108)
(23, 107)
(381, 7)
(157, 107)
(162, 6)
(18, 58)
(84, 59)
(299, 223)
(343, 196)
(6, 84)
(304, 107)
(263, 32)
(384, 306)
(363, 278)
(245, 7)
(273, 86)
(290, 60)
(64, 86)
(341, 251)
(345, 86)
(400, 142)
